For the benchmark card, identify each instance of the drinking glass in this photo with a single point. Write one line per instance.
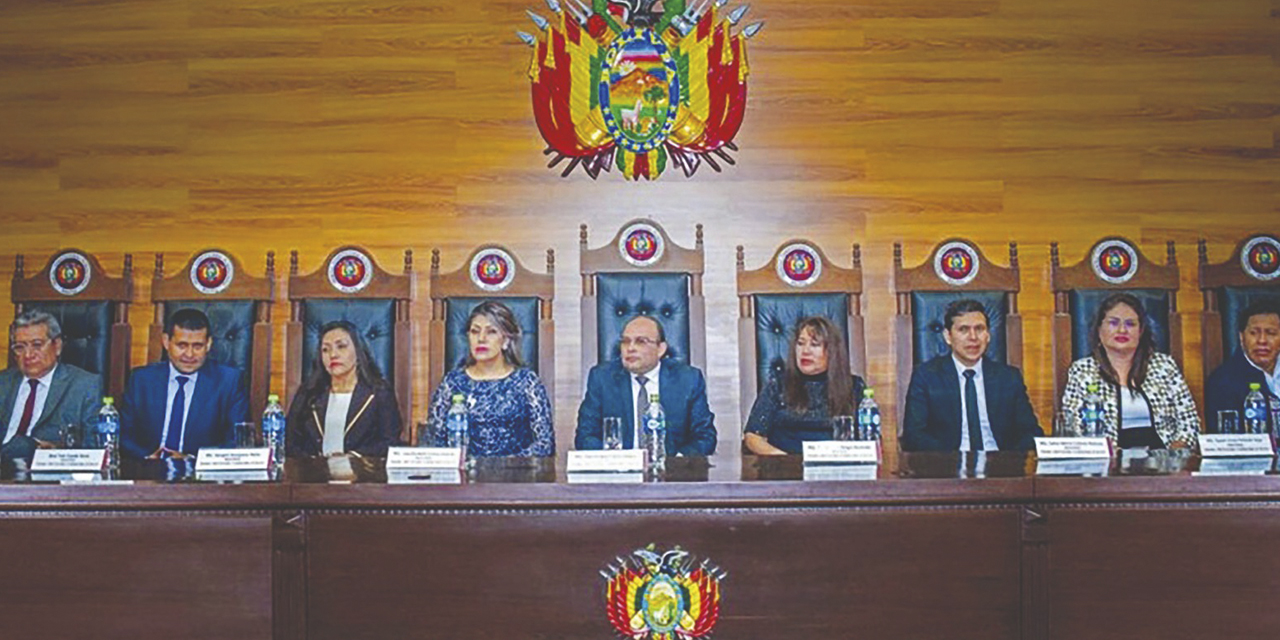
(844, 428)
(1228, 421)
(246, 435)
(612, 433)
(69, 435)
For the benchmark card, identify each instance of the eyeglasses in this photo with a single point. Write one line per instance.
(20, 348)
(1116, 323)
(639, 342)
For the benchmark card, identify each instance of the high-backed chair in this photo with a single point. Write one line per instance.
(642, 272)
(798, 282)
(1250, 275)
(492, 272)
(92, 307)
(956, 269)
(1112, 264)
(352, 287)
(239, 310)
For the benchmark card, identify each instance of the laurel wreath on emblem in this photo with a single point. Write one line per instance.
(350, 271)
(1261, 258)
(70, 274)
(956, 263)
(798, 265)
(492, 270)
(1114, 261)
(641, 245)
(662, 596)
(212, 272)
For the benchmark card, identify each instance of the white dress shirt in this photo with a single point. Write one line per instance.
(189, 391)
(650, 387)
(20, 403)
(984, 423)
(335, 423)
(1273, 381)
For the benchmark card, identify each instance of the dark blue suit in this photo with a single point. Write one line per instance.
(1228, 385)
(219, 402)
(691, 428)
(932, 419)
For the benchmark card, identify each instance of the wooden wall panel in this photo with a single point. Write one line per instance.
(167, 125)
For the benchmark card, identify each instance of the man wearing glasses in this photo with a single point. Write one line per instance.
(621, 388)
(41, 395)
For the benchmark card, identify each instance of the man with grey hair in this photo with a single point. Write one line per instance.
(40, 395)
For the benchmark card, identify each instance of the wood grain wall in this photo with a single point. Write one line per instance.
(173, 125)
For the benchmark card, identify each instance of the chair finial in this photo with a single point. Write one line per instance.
(18, 264)
(897, 255)
(435, 262)
(551, 261)
(271, 265)
(408, 261)
(1173, 253)
(128, 267)
(293, 263)
(582, 235)
(857, 256)
(742, 258)
(698, 236)
(1013, 255)
(1053, 254)
(1202, 248)
(159, 272)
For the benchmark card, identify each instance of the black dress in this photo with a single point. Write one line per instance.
(788, 429)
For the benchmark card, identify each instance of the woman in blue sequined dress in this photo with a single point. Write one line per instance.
(507, 407)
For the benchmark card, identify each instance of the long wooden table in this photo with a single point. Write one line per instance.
(927, 550)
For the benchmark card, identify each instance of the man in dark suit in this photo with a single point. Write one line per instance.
(964, 401)
(42, 395)
(172, 409)
(1254, 362)
(621, 388)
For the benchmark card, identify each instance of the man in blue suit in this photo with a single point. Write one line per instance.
(172, 409)
(621, 388)
(1254, 362)
(964, 401)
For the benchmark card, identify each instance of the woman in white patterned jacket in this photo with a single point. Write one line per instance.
(1145, 398)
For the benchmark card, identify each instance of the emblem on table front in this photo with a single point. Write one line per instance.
(663, 596)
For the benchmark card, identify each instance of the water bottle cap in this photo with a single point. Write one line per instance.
(273, 398)
(108, 401)
(458, 397)
(868, 393)
(1092, 386)
(1253, 386)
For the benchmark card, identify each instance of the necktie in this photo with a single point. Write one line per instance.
(173, 441)
(642, 406)
(971, 410)
(29, 409)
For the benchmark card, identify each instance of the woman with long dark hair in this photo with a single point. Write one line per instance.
(345, 406)
(1145, 399)
(508, 412)
(814, 386)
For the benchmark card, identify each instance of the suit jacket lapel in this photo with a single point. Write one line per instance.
(993, 389)
(202, 409)
(159, 396)
(319, 407)
(361, 398)
(57, 389)
(951, 395)
(622, 377)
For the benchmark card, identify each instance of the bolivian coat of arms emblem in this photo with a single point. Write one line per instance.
(639, 85)
(656, 595)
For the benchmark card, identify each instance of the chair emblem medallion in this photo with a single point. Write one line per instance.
(492, 270)
(1114, 261)
(956, 263)
(70, 274)
(212, 272)
(350, 271)
(799, 265)
(641, 245)
(1261, 258)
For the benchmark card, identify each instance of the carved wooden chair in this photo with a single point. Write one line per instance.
(1251, 274)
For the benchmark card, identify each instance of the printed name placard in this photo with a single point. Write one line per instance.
(233, 459)
(1222, 445)
(614, 461)
(68, 460)
(233, 477)
(842, 452)
(590, 477)
(1072, 448)
(840, 472)
(423, 475)
(424, 458)
(1073, 467)
(1234, 466)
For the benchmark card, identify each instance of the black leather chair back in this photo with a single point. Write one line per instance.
(776, 318)
(1084, 305)
(1231, 302)
(664, 296)
(457, 310)
(374, 319)
(928, 315)
(86, 331)
(230, 324)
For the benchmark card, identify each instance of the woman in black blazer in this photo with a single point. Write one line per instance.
(345, 406)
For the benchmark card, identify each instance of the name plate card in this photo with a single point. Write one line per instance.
(1234, 467)
(841, 473)
(425, 475)
(424, 458)
(69, 460)
(1072, 448)
(1073, 467)
(612, 461)
(233, 477)
(1221, 445)
(842, 452)
(233, 459)
(626, 477)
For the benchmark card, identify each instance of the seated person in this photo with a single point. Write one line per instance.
(1145, 399)
(1255, 362)
(814, 386)
(965, 401)
(621, 388)
(174, 408)
(42, 395)
(344, 406)
(508, 413)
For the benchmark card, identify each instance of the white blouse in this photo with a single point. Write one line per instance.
(335, 423)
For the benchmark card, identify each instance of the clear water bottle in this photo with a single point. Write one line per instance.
(868, 417)
(273, 429)
(1255, 410)
(1091, 414)
(455, 427)
(109, 434)
(655, 434)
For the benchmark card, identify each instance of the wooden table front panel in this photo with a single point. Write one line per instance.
(822, 572)
(136, 575)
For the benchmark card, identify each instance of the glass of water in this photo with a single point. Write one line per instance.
(1229, 421)
(246, 435)
(69, 435)
(612, 427)
(844, 428)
